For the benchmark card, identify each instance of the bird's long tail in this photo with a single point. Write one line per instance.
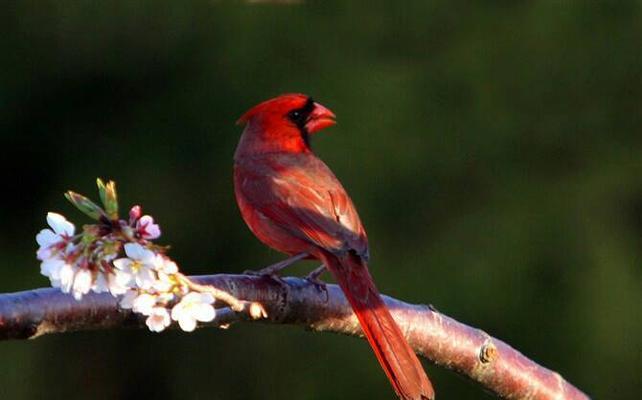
(395, 355)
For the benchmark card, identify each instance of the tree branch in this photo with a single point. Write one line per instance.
(471, 352)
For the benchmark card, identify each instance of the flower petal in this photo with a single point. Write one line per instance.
(187, 324)
(82, 283)
(138, 252)
(133, 250)
(44, 253)
(124, 278)
(163, 283)
(51, 267)
(67, 272)
(158, 319)
(127, 301)
(100, 284)
(192, 297)
(54, 282)
(153, 232)
(123, 264)
(178, 311)
(147, 228)
(169, 266)
(144, 303)
(203, 312)
(206, 298)
(47, 237)
(117, 284)
(145, 278)
(60, 225)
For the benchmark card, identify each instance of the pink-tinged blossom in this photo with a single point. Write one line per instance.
(147, 228)
(192, 308)
(158, 319)
(138, 268)
(134, 214)
(61, 230)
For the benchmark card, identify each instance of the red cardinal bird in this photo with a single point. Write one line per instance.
(293, 203)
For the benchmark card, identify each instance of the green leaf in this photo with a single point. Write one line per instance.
(85, 205)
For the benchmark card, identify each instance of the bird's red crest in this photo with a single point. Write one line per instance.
(281, 105)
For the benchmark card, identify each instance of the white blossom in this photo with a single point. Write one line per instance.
(83, 282)
(164, 283)
(165, 264)
(66, 277)
(138, 268)
(122, 279)
(147, 228)
(158, 319)
(115, 285)
(110, 282)
(100, 284)
(127, 301)
(44, 252)
(145, 279)
(51, 269)
(61, 230)
(144, 303)
(193, 307)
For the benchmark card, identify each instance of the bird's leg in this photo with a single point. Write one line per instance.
(313, 278)
(314, 275)
(272, 270)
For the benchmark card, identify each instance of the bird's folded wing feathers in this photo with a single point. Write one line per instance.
(311, 208)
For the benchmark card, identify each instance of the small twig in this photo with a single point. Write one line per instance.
(220, 295)
(252, 309)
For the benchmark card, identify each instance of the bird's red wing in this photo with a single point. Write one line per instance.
(304, 198)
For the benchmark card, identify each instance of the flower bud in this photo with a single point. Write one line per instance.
(134, 214)
(85, 205)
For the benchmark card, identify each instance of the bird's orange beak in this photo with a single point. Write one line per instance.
(320, 118)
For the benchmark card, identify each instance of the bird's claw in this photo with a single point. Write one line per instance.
(271, 270)
(253, 272)
(318, 283)
(313, 278)
(275, 268)
(264, 273)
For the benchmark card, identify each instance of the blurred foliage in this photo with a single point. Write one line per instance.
(494, 152)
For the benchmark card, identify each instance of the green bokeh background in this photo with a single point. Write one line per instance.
(494, 152)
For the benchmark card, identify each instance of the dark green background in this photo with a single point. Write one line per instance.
(494, 153)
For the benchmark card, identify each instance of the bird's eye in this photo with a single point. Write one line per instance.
(295, 115)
